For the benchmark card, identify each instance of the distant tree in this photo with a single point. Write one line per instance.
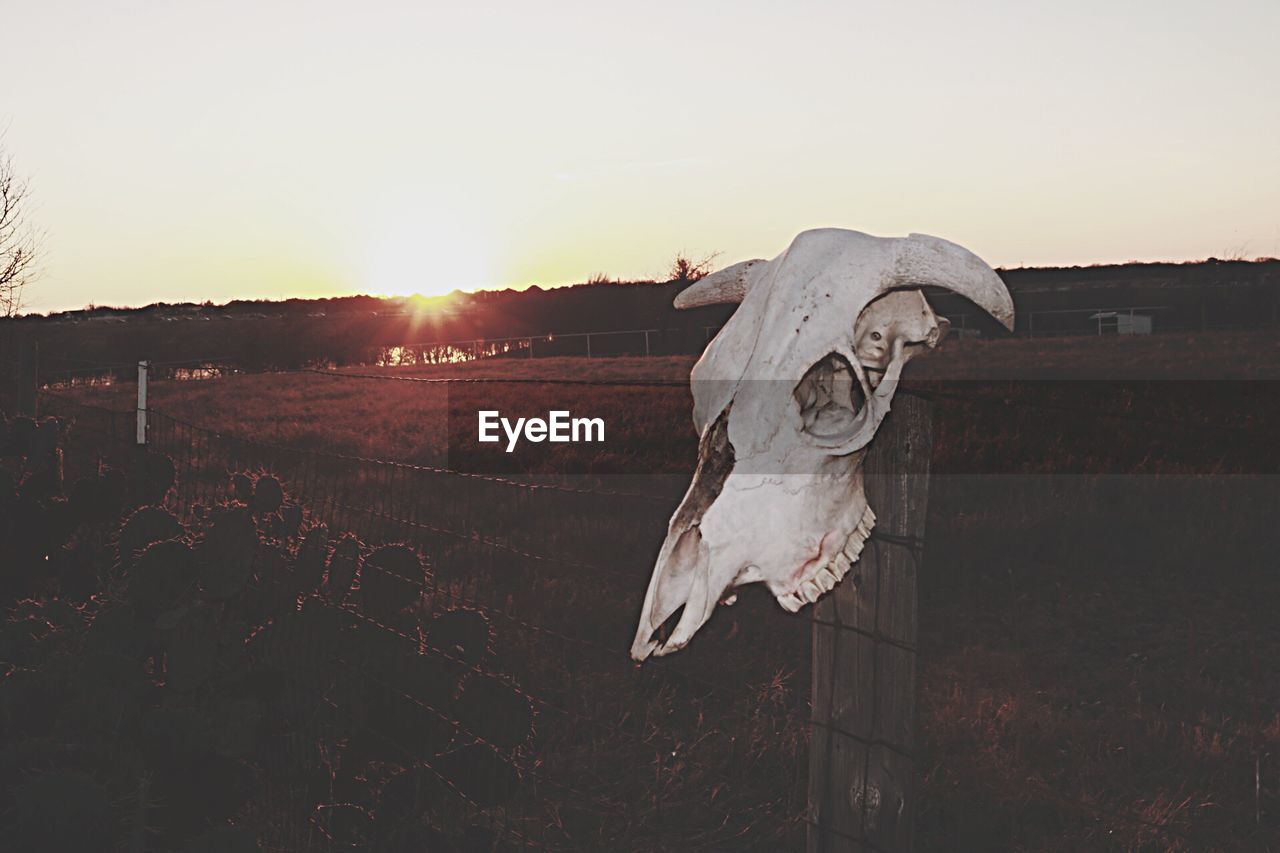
(684, 269)
(19, 241)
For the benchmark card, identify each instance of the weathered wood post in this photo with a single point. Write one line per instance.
(864, 656)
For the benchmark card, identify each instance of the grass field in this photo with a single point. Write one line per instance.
(1098, 642)
(1180, 377)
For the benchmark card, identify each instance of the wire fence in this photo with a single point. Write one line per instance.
(623, 756)
(632, 342)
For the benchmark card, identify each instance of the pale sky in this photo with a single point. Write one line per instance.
(184, 151)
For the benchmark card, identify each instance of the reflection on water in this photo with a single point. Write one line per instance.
(108, 377)
(101, 381)
(651, 342)
(185, 373)
(455, 351)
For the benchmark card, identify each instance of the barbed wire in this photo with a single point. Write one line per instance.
(87, 361)
(82, 405)
(932, 394)
(473, 537)
(610, 656)
(515, 688)
(498, 380)
(218, 361)
(410, 466)
(478, 538)
(78, 371)
(922, 393)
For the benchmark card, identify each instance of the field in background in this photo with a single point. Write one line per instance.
(408, 421)
(1098, 638)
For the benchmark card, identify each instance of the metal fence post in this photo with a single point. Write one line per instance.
(864, 657)
(143, 367)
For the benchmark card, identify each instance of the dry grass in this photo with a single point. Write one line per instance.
(412, 421)
(1098, 632)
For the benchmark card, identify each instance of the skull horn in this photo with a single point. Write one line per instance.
(922, 259)
(727, 285)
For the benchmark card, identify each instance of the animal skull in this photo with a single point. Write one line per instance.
(786, 399)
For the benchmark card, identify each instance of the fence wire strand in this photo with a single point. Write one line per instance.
(205, 457)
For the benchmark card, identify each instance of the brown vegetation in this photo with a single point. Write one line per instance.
(1097, 629)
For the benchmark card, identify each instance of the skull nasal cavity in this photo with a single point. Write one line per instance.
(715, 463)
(830, 397)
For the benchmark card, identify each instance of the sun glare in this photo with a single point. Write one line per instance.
(424, 253)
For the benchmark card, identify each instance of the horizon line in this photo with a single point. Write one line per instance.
(600, 279)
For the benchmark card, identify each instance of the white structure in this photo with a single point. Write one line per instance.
(786, 399)
(1122, 323)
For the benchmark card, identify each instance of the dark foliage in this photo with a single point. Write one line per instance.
(166, 682)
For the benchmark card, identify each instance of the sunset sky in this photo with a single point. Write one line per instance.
(190, 151)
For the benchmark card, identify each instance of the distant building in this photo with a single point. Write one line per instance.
(1129, 299)
(1122, 323)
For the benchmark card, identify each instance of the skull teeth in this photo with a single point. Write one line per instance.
(857, 539)
(826, 578)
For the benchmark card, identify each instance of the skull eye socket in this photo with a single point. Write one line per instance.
(830, 398)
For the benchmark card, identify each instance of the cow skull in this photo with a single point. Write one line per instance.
(786, 399)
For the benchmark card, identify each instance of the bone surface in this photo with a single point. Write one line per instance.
(787, 397)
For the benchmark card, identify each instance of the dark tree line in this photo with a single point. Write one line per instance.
(357, 329)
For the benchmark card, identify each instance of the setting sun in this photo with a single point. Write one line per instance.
(422, 149)
(418, 248)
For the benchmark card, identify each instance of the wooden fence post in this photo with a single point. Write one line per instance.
(864, 659)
